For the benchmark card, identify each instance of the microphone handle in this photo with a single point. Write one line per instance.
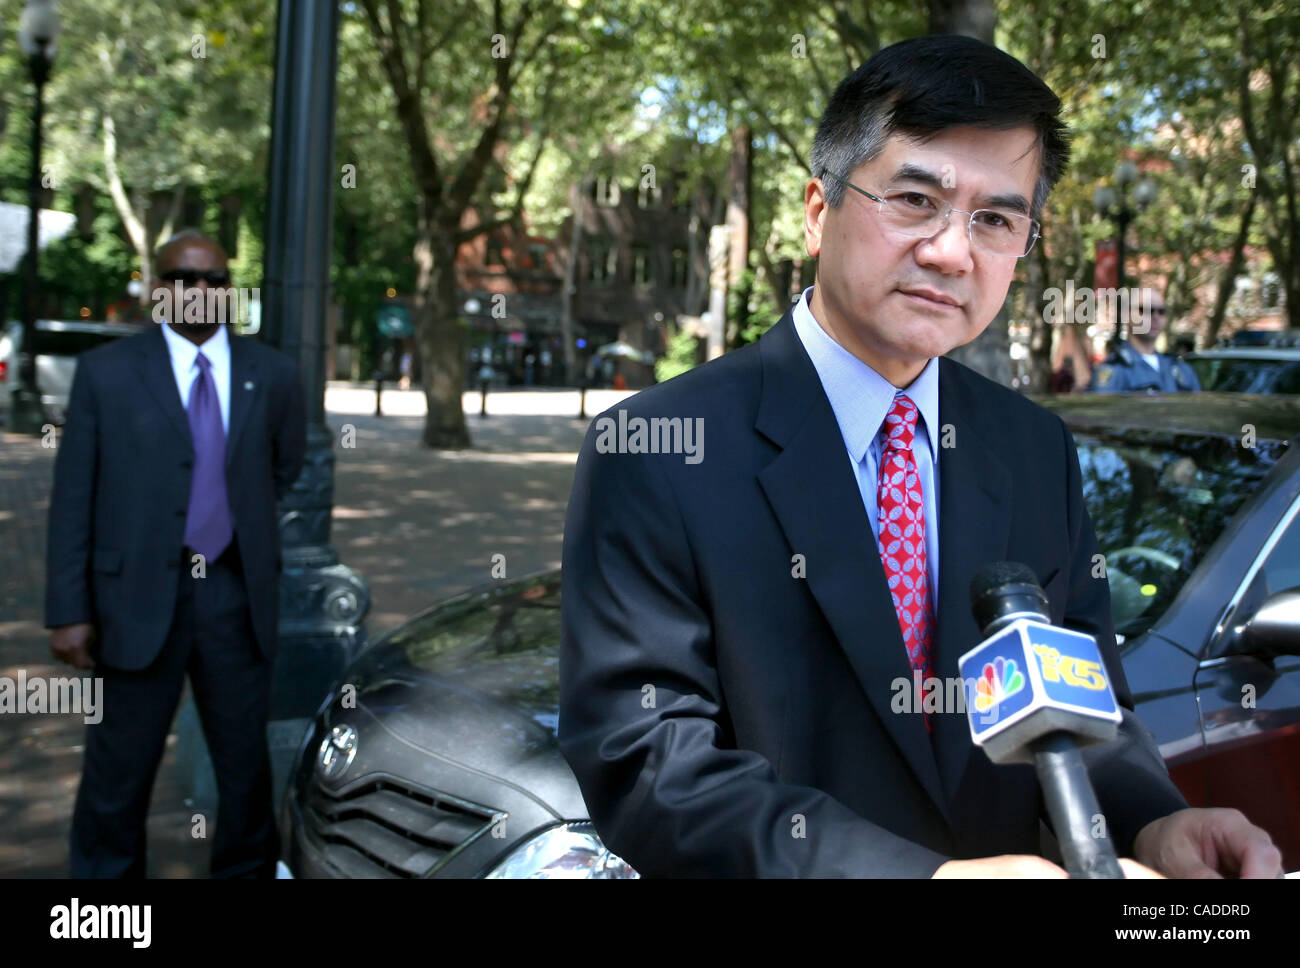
(1072, 805)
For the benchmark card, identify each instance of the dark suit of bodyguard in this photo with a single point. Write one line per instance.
(1124, 371)
(117, 557)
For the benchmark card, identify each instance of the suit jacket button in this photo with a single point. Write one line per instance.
(187, 463)
(171, 564)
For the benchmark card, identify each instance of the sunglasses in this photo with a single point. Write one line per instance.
(192, 277)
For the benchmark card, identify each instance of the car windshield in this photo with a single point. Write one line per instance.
(1228, 375)
(1157, 505)
(64, 342)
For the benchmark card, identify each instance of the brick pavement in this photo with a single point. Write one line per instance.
(418, 525)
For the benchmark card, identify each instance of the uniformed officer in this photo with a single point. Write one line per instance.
(1134, 366)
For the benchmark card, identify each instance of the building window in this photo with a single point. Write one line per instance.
(495, 256)
(602, 260)
(679, 273)
(642, 273)
(537, 256)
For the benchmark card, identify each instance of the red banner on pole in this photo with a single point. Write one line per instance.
(1106, 274)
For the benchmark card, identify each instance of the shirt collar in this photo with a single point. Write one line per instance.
(860, 397)
(216, 347)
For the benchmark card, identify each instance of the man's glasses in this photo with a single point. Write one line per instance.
(192, 277)
(917, 215)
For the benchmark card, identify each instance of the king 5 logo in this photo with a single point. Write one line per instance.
(1069, 669)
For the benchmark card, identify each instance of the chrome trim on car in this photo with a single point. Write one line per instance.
(1269, 544)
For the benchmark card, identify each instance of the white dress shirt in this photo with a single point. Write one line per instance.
(861, 399)
(185, 366)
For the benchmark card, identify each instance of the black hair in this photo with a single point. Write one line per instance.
(926, 85)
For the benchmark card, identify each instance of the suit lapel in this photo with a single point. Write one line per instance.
(974, 527)
(154, 366)
(814, 495)
(245, 384)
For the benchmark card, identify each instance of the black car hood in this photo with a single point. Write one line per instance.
(490, 707)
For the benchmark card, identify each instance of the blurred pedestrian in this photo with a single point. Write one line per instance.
(1062, 380)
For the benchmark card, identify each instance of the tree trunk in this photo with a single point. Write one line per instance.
(132, 221)
(1039, 369)
(737, 217)
(437, 334)
(571, 281)
(990, 353)
(1228, 280)
(973, 18)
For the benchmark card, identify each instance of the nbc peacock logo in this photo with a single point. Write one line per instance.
(1001, 679)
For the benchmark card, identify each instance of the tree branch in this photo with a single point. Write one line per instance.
(424, 164)
(517, 209)
(471, 171)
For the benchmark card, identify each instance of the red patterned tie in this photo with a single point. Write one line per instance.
(902, 536)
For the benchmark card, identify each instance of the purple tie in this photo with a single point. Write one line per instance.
(207, 522)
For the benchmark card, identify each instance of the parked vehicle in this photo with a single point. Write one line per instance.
(1263, 337)
(1248, 369)
(443, 731)
(10, 339)
(57, 345)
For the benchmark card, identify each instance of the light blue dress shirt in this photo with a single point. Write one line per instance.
(184, 356)
(861, 399)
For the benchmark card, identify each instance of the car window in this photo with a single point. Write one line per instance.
(483, 628)
(1279, 571)
(1157, 506)
(1288, 380)
(70, 343)
(1226, 375)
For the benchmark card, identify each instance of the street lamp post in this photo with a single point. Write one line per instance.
(1114, 204)
(472, 306)
(38, 28)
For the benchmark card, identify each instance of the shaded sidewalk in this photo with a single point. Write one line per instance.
(416, 524)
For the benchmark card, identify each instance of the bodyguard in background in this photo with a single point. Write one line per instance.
(1134, 366)
(163, 559)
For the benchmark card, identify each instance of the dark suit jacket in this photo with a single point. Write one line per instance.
(724, 717)
(122, 482)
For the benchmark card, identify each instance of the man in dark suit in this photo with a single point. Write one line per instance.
(738, 619)
(164, 557)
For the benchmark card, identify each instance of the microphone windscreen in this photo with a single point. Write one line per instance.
(999, 573)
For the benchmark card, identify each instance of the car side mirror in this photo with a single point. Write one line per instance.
(1274, 629)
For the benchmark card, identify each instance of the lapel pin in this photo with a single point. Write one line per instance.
(248, 384)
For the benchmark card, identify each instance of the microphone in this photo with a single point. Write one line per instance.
(1035, 694)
